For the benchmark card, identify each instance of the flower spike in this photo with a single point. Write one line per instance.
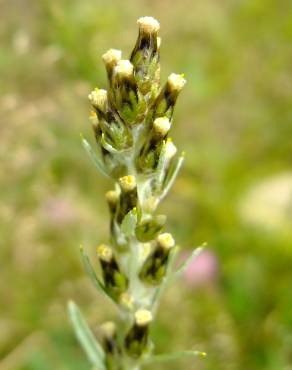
(131, 120)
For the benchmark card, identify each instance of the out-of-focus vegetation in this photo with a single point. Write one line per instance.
(234, 120)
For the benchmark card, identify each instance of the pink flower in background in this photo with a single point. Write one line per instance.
(202, 270)
(59, 211)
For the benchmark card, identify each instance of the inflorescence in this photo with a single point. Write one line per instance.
(131, 121)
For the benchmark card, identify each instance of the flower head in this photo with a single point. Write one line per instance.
(124, 68)
(176, 82)
(148, 24)
(161, 125)
(143, 317)
(98, 98)
(112, 57)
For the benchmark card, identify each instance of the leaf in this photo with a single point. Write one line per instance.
(86, 338)
(173, 356)
(171, 176)
(90, 271)
(160, 290)
(94, 157)
(195, 253)
(149, 229)
(161, 108)
(160, 166)
(107, 146)
(129, 222)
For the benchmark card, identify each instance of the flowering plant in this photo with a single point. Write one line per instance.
(131, 123)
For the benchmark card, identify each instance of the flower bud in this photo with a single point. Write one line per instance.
(125, 92)
(112, 197)
(165, 241)
(108, 333)
(124, 69)
(109, 340)
(145, 56)
(170, 149)
(150, 152)
(136, 341)
(148, 25)
(98, 99)
(104, 253)
(111, 59)
(128, 183)
(116, 133)
(128, 197)
(155, 266)
(150, 227)
(115, 282)
(164, 103)
(161, 126)
(176, 82)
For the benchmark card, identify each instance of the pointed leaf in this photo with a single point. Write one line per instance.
(160, 290)
(91, 272)
(174, 356)
(94, 157)
(171, 176)
(107, 146)
(86, 338)
(129, 223)
(148, 229)
(195, 253)
(161, 166)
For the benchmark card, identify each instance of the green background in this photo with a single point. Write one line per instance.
(233, 120)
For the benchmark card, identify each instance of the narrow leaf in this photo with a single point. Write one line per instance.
(90, 271)
(107, 146)
(161, 166)
(174, 356)
(86, 338)
(148, 229)
(129, 223)
(160, 290)
(94, 157)
(195, 253)
(171, 176)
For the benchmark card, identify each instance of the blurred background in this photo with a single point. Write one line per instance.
(233, 120)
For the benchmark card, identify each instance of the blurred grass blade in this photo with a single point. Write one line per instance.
(195, 253)
(172, 176)
(90, 271)
(174, 356)
(129, 223)
(94, 157)
(86, 338)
